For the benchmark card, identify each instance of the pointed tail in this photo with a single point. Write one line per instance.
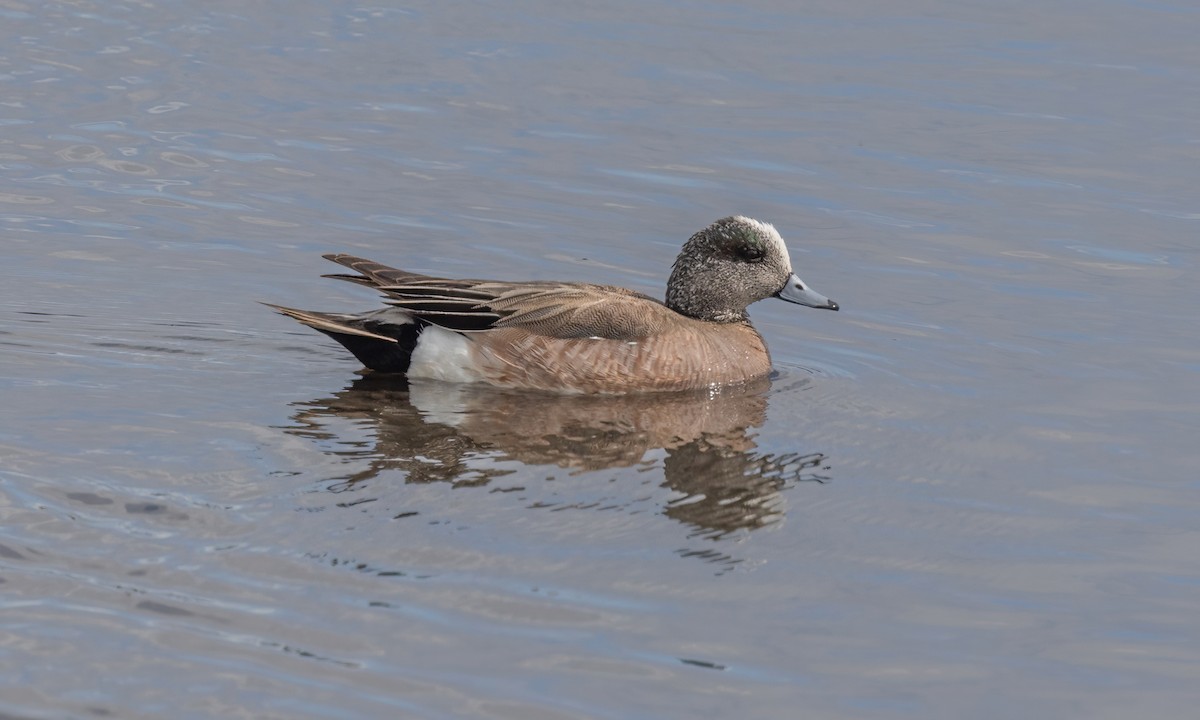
(380, 346)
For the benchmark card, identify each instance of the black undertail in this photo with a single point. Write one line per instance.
(382, 355)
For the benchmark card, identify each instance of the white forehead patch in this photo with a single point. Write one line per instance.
(769, 230)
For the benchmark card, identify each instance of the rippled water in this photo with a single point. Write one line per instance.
(971, 493)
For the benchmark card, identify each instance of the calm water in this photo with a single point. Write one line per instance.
(972, 493)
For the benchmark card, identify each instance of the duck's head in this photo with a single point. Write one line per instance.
(732, 263)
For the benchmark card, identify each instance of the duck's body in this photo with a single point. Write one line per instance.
(576, 337)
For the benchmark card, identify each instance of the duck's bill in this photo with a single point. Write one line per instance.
(795, 291)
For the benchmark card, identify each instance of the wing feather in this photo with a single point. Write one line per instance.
(551, 309)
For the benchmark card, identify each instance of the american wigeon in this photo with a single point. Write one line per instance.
(578, 337)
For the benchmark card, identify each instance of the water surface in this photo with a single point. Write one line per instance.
(972, 492)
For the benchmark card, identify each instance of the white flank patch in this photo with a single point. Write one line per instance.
(443, 355)
(769, 230)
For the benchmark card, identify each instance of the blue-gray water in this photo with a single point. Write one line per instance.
(971, 493)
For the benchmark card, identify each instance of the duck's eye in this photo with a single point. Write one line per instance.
(751, 253)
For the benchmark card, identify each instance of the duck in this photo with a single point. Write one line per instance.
(575, 337)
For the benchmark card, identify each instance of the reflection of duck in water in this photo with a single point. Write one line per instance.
(438, 432)
(577, 337)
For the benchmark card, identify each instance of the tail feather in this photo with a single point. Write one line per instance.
(373, 274)
(379, 345)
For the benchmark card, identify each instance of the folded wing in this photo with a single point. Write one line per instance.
(559, 310)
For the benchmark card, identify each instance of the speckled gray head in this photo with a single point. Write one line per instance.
(732, 263)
